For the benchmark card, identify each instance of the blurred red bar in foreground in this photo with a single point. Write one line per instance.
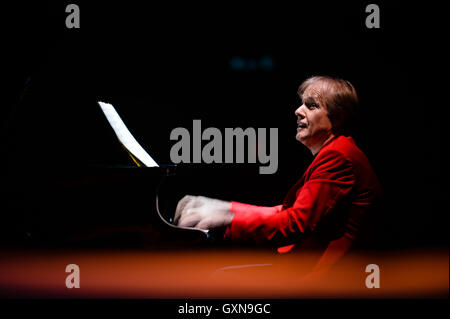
(219, 274)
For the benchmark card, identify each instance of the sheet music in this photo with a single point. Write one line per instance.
(124, 135)
(130, 143)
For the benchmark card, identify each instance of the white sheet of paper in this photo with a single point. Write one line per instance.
(124, 135)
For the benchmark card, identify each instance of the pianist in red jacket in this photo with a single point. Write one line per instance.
(325, 209)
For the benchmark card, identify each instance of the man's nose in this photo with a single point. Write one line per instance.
(299, 112)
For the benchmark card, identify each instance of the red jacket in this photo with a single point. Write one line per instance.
(324, 209)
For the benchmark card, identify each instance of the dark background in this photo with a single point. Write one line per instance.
(230, 65)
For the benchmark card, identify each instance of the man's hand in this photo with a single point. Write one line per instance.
(203, 212)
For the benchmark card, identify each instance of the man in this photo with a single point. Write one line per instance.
(325, 209)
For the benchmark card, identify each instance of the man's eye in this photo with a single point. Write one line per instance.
(311, 105)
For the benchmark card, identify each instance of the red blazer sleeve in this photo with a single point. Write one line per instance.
(331, 179)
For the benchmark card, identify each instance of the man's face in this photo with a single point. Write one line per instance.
(313, 125)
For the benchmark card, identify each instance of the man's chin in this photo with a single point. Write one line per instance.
(302, 139)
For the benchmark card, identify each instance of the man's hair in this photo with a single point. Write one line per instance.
(340, 98)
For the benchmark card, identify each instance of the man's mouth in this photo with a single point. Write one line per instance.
(301, 125)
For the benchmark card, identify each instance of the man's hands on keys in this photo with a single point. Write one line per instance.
(203, 212)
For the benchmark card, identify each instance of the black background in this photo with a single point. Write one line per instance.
(163, 65)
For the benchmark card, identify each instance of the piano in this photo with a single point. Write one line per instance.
(66, 188)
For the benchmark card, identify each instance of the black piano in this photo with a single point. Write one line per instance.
(124, 206)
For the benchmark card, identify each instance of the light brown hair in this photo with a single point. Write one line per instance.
(340, 99)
